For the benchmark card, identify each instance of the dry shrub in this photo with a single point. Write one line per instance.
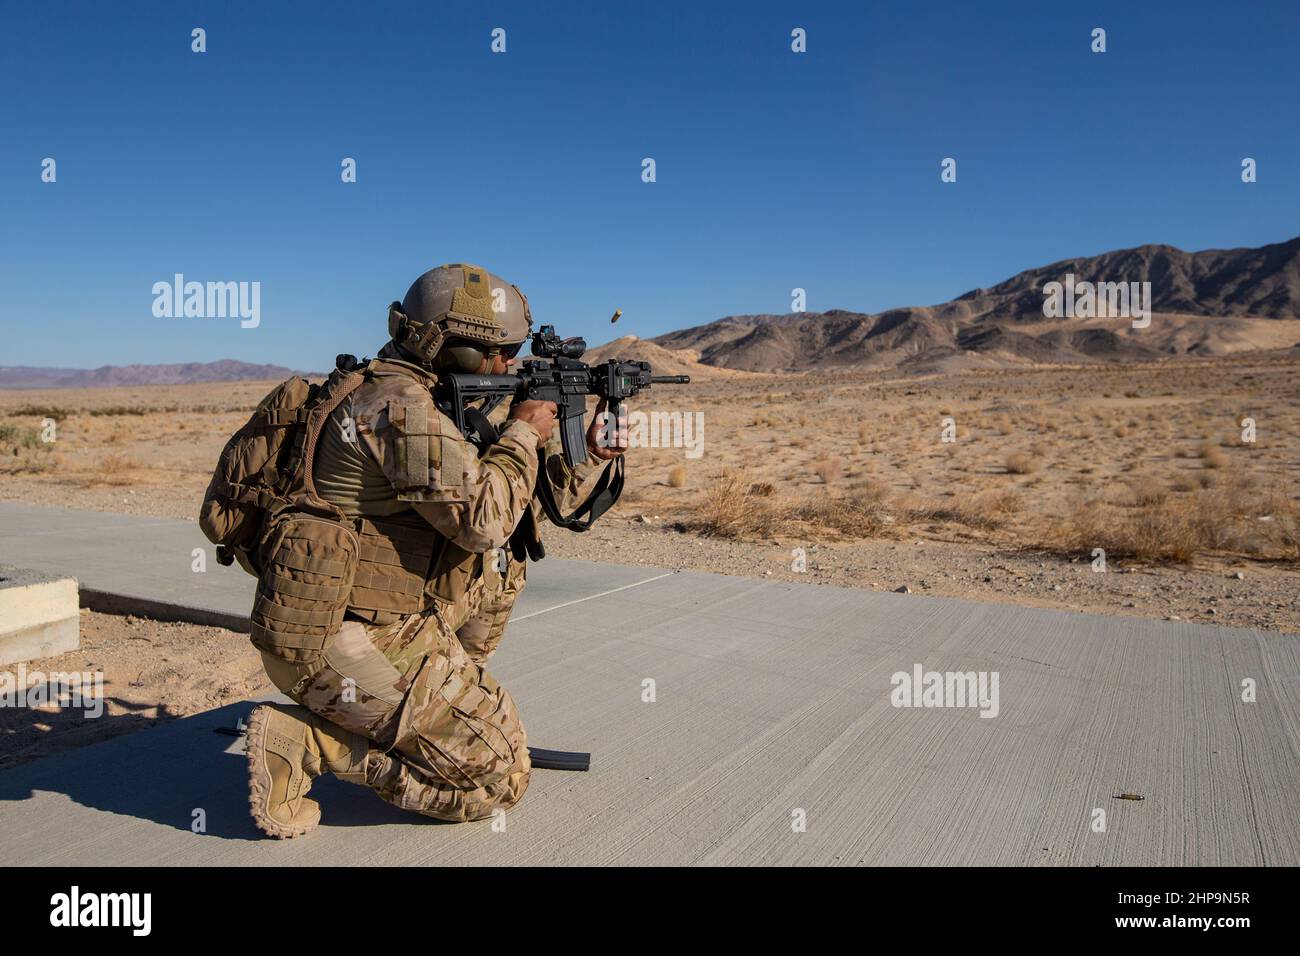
(870, 490)
(728, 509)
(1212, 455)
(1161, 533)
(733, 507)
(115, 469)
(37, 460)
(1283, 527)
(963, 511)
(16, 437)
(677, 476)
(999, 502)
(827, 469)
(56, 412)
(1178, 527)
(1023, 463)
(853, 515)
(117, 410)
(1147, 490)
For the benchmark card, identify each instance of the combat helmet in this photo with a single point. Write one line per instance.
(458, 317)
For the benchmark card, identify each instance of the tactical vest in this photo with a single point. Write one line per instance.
(404, 565)
(315, 563)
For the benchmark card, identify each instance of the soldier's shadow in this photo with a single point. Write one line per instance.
(180, 775)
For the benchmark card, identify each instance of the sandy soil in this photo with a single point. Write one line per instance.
(153, 672)
(1045, 464)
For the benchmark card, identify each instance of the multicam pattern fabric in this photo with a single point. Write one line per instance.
(487, 612)
(447, 740)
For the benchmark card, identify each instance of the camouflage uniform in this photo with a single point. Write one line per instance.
(480, 618)
(446, 738)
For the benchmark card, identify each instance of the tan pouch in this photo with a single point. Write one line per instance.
(308, 565)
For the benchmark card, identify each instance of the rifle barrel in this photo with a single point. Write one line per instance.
(670, 379)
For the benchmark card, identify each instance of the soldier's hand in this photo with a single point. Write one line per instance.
(606, 439)
(541, 415)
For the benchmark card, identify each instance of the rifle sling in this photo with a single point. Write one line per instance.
(524, 540)
(601, 499)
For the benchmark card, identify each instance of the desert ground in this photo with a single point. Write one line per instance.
(154, 672)
(992, 484)
(989, 484)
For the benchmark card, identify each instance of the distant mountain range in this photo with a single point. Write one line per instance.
(107, 376)
(1204, 303)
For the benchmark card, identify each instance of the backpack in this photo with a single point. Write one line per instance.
(261, 509)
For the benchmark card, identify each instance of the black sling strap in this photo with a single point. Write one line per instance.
(602, 497)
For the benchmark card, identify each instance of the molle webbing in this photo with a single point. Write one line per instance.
(396, 557)
(308, 563)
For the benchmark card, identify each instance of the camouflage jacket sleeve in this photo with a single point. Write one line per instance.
(475, 502)
(571, 485)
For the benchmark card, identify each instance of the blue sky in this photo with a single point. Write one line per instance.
(774, 170)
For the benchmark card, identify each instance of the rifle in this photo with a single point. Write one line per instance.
(555, 373)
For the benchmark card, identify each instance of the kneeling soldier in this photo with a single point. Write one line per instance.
(394, 700)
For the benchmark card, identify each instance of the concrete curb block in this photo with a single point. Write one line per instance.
(38, 614)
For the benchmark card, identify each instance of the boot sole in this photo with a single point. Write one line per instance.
(259, 780)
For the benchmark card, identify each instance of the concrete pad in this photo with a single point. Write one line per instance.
(39, 615)
(772, 702)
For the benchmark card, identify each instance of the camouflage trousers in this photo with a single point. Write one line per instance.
(447, 739)
(481, 623)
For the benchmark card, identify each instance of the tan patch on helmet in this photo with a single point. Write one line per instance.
(475, 297)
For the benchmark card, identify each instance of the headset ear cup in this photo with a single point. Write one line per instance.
(461, 357)
(397, 321)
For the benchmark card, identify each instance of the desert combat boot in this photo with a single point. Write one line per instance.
(287, 746)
